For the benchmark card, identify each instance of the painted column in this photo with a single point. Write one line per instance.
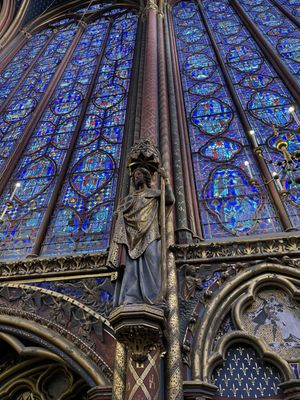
(119, 382)
(173, 354)
(143, 379)
(193, 214)
(149, 112)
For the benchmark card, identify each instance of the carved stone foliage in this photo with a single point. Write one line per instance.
(242, 250)
(95, 293)
(66, 315)
(86, 263)
(140, 328)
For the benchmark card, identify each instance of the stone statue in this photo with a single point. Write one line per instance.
(136, 243)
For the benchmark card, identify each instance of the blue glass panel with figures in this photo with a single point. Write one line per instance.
(244, 375)
(264, 98)
(46, 152)
(83, 216)
(18, 67)
(27, 95)
(226, 191)
(278, 29)
(292, 6)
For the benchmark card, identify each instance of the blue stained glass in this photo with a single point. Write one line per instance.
(226, 193)
(66, 102)
(270, 108)
(109, 96)
(291, 137)
(89, 190)
(11, 75)
(290, 48)
(35, 178)
(92, 172)
(256, 81)
(232, 197)
(199, 66)
(281, 33)
(228, 27)
(269, 18)
(45, 153)
(212, 116)
(191, 34)
(220, 149)
(263, 96)
(19, 109)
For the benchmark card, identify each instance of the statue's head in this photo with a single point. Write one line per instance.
(141, 176)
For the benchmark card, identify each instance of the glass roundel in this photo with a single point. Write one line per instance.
(75, 145)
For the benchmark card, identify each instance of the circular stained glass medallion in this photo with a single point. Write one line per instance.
(185, 10)
(109, 96)
(256, 81)
(290, 48)
(191, 34)
(228, 27)
(35, 178)
(19, 109)
(220, 149)
(204, 88)
(217, 6)
(47, 65)
(199, 66)
(92, 172)
(66, 102)
(244, 59)
(270, 107)
(270, 19)
(212, 116)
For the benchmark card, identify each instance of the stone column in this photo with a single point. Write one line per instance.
(143, 378)
(149, 112)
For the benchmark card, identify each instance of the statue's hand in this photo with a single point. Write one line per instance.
(163, 173)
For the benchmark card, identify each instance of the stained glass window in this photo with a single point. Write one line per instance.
(263, 96)
(279, 30)
(82, 219)
(17, 111)
(82, 123)
(229, 202)
(293, 6)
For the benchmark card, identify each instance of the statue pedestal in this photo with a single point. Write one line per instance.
(140, 327)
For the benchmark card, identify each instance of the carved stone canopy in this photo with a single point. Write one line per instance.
(144, 154)
(139, 327)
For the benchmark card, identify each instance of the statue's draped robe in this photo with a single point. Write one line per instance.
(137, 230)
